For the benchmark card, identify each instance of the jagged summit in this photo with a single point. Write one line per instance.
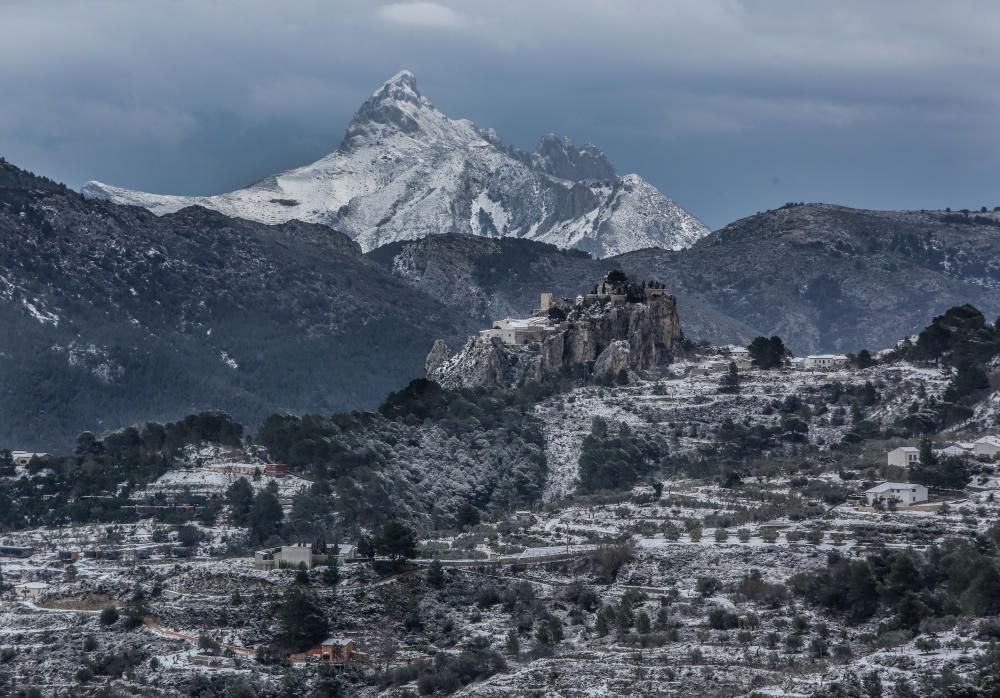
(402, 83)
(556, 155)
(400, 89)
(397, 104)
(405, 170)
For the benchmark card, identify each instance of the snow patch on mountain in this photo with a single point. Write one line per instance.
(404, 170)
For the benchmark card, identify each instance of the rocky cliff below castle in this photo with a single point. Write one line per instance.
(621, 326)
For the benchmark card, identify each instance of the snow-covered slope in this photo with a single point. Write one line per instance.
(405, 170)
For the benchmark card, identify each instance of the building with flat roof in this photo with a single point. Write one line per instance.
(22, 458)
(823, 362)
(517, 331)
(901, 493)
(293, 556)
(30, 591)
(904, 456)
(986, 446)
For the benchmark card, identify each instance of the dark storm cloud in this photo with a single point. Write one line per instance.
(730, 107)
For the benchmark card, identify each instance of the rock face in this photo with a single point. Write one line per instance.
(440, 353)
(613, 360)
(609, 337)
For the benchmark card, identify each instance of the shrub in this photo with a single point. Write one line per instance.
(109, 616)
(721, 619)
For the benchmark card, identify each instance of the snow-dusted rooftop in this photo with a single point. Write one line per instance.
(892, 487)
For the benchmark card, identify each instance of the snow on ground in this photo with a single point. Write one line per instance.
(206, 481)
(688, 409)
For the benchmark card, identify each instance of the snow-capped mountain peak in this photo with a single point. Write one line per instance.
(405, 170)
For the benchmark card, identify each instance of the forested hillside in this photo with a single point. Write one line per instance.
(114, 316)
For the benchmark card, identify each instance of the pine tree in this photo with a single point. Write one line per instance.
(240, 499)
(435, 574)
(331, 574)
(301, 620)
(265, 516)
(625, 618)
(642, 623)
(927, 456)
(662, 619)
(601, 626)
(513, 643)
(396, 541)
(872, 685)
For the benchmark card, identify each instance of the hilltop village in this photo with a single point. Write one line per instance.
(579, 501)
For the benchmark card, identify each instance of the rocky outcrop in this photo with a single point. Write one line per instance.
(440, 353)
(608, 337)
(487, 362)
(613, 360)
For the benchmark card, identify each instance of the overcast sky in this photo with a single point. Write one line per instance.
(729, 107)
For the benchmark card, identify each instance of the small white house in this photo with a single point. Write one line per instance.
(823, 362)
(902, 493)
(986, 446)
(22, 458)
(295, 555)
(904, 456)
(243, 469)
(292, 556)
(956, 450)
(30, 590)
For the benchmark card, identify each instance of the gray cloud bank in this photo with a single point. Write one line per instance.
(730, 107)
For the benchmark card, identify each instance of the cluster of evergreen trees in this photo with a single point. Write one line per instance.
(613, 461)
(909, 588)
(964, 341)
(767, 353)
(94, 482)
(430, 456)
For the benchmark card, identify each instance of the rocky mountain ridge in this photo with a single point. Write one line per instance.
(405, 170)
(823, 277)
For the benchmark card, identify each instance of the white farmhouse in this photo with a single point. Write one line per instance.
(904, 456)
(986, 446)
(30, 591)
(294, 556)
(22, 458)
(824, 362)
(956, 450)
(902, 493)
